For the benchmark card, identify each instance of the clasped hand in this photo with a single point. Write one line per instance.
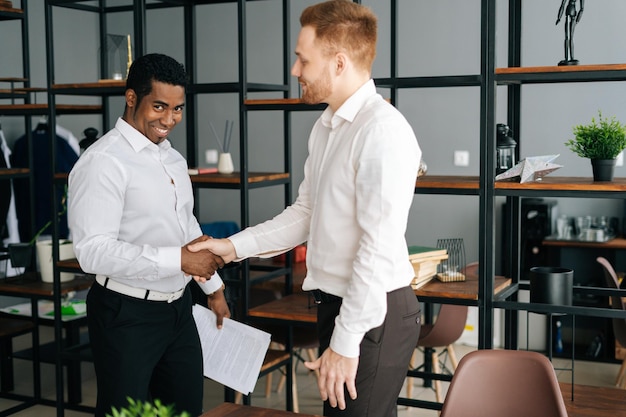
(204, 246)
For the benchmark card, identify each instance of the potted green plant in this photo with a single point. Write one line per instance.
(21, 254)
(601, 141)
(146, 409)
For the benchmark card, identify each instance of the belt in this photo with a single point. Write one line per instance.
(149, 295)
(322, 297)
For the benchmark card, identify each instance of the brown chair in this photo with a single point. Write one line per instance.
(511, 383)
(619, 325)
(447, 329)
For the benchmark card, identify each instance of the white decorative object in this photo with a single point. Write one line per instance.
(225, 164)
(530, 169)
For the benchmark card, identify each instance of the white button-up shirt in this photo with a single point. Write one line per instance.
(130, 210)
(352, 209)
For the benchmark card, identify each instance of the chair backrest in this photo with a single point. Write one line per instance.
(447, 329)
(450, 322)
(617, 303)
(497, 383)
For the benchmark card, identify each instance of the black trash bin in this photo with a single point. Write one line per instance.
(551, 285)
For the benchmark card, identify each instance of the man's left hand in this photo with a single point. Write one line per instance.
(335, 371)
(217, 303)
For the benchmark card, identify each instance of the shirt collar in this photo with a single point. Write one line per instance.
(137, 140)
(351, 107)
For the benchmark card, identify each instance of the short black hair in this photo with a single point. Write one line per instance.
(154, 67)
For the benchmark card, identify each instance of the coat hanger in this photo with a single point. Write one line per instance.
(42, 124)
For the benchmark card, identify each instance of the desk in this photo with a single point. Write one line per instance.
(293, 308)
(298, 308)
(235, 410)
(30, 286)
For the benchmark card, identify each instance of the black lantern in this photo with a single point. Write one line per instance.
(505, 149)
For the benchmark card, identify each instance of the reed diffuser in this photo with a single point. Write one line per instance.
(225, 161)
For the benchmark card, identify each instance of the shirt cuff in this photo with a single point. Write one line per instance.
(169, 261)
(345, 343)
(212, 285)
(245, 244)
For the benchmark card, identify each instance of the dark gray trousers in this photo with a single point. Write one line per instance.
(385, 354)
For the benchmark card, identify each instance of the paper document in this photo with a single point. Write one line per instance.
(232, 355)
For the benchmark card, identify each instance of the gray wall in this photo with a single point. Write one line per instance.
(436, 38)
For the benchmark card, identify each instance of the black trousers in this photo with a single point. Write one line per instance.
(384, 359)
(144, 350)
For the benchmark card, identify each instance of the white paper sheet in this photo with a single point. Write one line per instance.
(232, 355)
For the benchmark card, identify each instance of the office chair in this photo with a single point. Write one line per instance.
(496, 383)
(619, 325)
(447, 329)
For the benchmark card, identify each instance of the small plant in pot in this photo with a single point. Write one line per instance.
(601, 141)
(21, 254)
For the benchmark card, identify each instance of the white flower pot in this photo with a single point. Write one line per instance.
(44, 259)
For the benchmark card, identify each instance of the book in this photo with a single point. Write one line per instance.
(422, 252)
(420, 282)
(423, 269)
(200, 171)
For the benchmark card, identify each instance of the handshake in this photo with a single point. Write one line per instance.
(201, 257)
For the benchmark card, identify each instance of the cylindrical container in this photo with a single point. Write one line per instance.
(551, 285)
(225, 164)
(44, 258)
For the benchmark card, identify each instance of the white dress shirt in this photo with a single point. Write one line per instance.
(352, 209)
(130, 210)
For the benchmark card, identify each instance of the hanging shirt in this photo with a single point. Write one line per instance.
(352, 209)
(131, 210)
(42, 173)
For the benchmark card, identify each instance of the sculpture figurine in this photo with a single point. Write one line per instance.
(572, 17)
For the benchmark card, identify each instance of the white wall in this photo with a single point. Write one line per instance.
(436, 38)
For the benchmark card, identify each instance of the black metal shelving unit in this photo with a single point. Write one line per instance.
(244, 180)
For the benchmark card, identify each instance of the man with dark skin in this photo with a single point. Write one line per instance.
(131, 216)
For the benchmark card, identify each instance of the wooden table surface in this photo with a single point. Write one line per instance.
(235, 410)
(297, 307)
(30, 285)
(466, 290)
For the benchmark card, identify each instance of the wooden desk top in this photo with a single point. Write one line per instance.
(30, 285)
(295, 307)
(236, 410)
(465, 290)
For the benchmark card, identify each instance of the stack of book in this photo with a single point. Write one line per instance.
(425, 260)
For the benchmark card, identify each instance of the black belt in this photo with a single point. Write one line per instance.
(322, 297)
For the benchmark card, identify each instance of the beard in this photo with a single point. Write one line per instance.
(317, 91)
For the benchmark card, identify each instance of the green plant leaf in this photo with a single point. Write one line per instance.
(604, 138)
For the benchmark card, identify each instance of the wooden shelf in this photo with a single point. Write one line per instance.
(102, 88)
(447, 184)
(42, 109)
(14, 172)
(563, 187)
(555, 186)
(553, 74)
(617, 243)
(281, 104)
(255, 179)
